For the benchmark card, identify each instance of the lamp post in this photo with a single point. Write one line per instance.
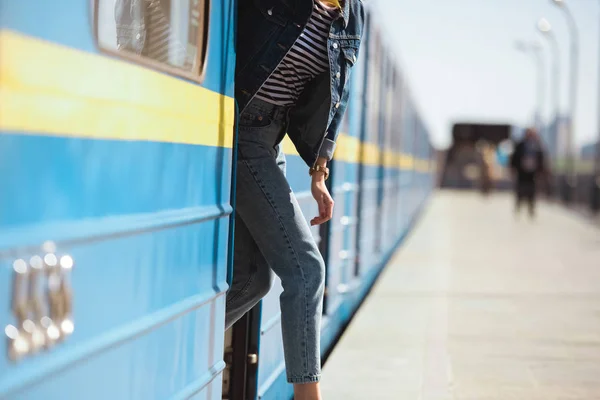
(595, 198)
(535, 49)
(546, 29)
(571, 173)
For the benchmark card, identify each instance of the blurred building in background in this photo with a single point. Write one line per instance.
(555, 137)
(588, 151)
(468, 160)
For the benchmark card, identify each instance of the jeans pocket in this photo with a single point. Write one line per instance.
(256, 119)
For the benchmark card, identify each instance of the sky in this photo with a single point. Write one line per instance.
(461, 63)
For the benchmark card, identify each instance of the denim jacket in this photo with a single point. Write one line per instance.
(266, 31)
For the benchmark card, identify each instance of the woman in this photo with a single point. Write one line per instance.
(293, 63)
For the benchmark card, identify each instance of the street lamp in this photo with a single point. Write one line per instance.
(571, 180)
(535, 49)
(546, 29)
(595, 203)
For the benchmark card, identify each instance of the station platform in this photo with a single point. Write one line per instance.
(479, 305)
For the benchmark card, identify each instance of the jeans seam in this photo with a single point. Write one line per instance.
(304, 378)
(287, 238)
(242, 291)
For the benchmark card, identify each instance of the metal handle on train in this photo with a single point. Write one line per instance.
(41, 304)
(17, 342)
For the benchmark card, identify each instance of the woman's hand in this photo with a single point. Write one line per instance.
(321, 194)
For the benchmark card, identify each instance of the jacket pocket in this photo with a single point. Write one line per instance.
(350, 49)
(350, 55)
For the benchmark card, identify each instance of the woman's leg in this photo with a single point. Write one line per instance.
(269, 209)
(518, 197)
(531, 196)
(252, 277)
(307, 391)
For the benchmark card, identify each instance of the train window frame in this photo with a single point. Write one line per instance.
(199, 73)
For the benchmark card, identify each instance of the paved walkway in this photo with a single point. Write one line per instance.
(478, 305)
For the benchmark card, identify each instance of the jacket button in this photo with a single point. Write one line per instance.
(270, 11)
(335, 45)
(338, 75)
(337, 105)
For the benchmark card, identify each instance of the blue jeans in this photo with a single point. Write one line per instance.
(272, 236)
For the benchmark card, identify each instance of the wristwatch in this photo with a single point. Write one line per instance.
(319, 168)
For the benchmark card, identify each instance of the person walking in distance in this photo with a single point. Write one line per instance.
(294, 59)
(527, 165)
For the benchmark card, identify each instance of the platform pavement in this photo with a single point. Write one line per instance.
(479, 305)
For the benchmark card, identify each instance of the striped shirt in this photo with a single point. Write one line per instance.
(307, 58)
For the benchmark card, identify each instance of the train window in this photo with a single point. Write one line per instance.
(169, 35)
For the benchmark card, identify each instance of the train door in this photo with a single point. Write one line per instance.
(381, 175)
(389, 151)
(241, 356)
(417, 165)
(405, 160)
(414, 181)
(397, 136)
(370, 159)
(409, 180)
(115, 169)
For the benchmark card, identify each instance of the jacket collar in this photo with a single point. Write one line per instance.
(346, 12)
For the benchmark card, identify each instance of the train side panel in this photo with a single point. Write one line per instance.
(126, 171)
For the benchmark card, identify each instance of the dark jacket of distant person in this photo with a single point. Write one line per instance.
(528, 159)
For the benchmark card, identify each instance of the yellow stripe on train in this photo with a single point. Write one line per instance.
(80, 94)
(85, 95)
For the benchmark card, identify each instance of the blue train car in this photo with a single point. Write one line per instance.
(115, 168)
(116, 165)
